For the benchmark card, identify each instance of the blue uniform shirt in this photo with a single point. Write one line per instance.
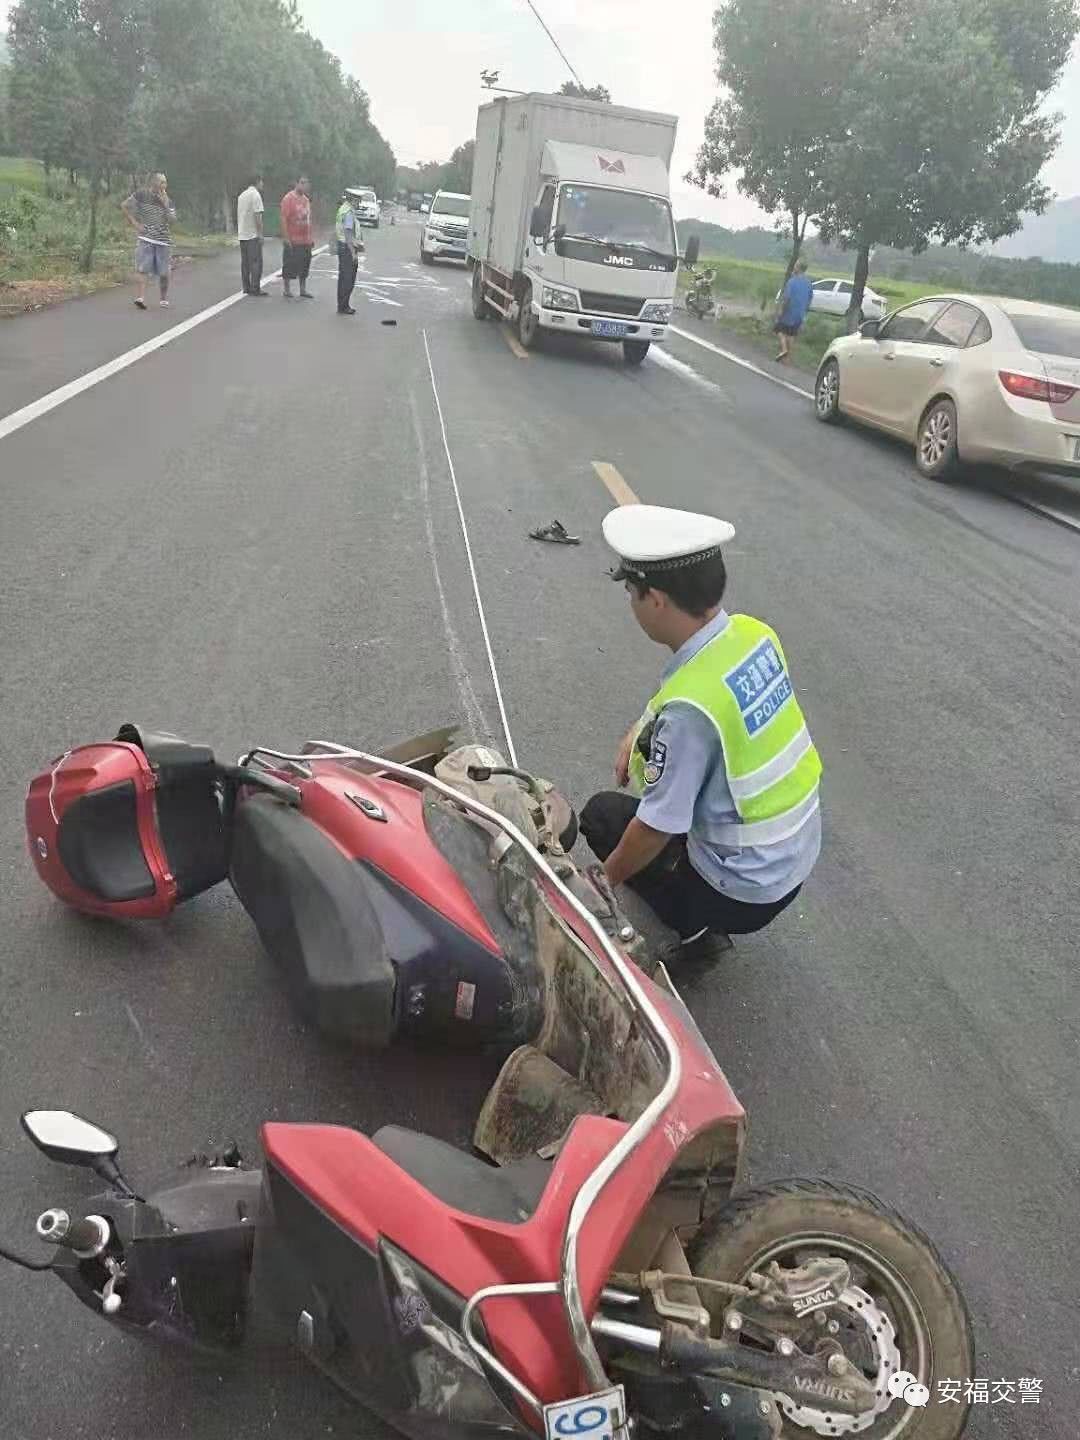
(798, 293)
(692, 782)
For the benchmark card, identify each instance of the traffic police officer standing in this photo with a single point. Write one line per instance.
(348, 246)
(724, 824)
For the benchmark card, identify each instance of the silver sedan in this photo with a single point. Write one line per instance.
(964, 378)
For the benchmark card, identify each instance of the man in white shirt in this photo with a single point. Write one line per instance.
(249, 231)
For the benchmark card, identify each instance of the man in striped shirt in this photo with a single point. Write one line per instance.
(149, 211)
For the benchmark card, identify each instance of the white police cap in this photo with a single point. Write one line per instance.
(649, 539)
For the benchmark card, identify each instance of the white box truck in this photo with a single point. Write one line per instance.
(570, 227)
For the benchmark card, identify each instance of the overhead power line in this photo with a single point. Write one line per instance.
(554, 42)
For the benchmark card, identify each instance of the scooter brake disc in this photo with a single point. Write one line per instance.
(881, 1336)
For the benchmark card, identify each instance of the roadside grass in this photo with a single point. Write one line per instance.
(752, 285)
(757, 281)
(43, 223)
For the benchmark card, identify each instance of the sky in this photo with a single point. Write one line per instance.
(420, 62)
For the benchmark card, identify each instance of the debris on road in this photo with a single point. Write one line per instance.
(555, 534)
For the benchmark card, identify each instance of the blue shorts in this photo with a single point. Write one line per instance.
(151, 259)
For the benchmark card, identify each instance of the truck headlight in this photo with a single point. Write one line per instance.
(553, 298)
(658, 310)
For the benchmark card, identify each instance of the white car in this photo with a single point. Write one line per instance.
(366, 205)
(833, 297)
(964, 378)
(446, 229)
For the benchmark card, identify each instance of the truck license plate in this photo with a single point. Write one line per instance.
(609, 329)
(589, 1417)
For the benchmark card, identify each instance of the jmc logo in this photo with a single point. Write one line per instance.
(618, 260)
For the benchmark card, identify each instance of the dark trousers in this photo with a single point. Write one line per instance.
(251, 265)
(670, 885)
(347, 264)
(295, 263)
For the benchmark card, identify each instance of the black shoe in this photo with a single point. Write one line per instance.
(306, 295)
(704, 948)
(346, 310)
(258, 294)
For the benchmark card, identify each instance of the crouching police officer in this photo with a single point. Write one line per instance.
(724, 824)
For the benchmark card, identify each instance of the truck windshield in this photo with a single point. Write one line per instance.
(620, 217)
(451, 205)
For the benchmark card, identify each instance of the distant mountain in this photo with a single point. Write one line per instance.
(1054, 235)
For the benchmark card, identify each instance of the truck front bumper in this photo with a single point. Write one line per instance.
(601, 327)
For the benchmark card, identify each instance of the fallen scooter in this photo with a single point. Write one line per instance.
(381, 908)
(597, 1270)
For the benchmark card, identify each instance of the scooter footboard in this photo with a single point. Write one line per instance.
(180, 1262)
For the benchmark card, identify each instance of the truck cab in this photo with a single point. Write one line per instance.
(602, 254)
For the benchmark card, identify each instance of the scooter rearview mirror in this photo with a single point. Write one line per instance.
(69, 1138)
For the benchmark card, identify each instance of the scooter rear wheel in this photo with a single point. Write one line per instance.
(902, 1310)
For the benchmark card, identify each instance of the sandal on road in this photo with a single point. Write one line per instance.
(555, 534)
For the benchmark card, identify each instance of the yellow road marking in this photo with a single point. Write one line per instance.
(514, 343)
(616, 486)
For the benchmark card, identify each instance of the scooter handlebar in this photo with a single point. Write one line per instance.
(87, 1236)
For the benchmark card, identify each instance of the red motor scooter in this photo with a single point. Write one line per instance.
(597, 1270)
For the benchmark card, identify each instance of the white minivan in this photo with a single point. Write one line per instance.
(446, 228)
(367, 207)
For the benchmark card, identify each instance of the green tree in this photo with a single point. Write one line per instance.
(456, 174)
(945, 131)
(86, 58)
(586, 92)
(783, 70)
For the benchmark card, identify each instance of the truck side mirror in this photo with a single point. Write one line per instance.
(538, 225)
(693, 249)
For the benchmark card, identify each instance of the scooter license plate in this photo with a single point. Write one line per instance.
(591, 1417)
(608, 329)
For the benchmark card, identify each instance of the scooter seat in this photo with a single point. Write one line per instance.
(494, 1192)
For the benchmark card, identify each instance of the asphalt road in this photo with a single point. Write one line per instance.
(250, 535)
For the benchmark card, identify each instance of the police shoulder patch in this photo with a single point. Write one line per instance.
(654, 766)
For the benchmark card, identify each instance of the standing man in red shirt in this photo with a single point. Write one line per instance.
(296, 234)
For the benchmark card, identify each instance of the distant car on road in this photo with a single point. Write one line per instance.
(964, 378)
(414, 201)
(833, 297)
(366, 206)
(447, 228)
(425, 204)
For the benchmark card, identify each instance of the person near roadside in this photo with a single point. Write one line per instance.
(150, 212)
(724, 824)
(296, 238)
(249, 231)
(349, 247)
(792, 308)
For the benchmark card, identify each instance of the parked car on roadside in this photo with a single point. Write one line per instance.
(447, 228)
(833, 297)
(964, 378)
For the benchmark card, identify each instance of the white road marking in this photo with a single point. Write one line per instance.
(668, 361)
(470, 702)
(738, 360)
(469, 556)
(42, 406)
